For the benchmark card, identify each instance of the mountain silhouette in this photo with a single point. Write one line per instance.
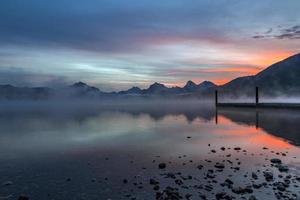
(133, 90)
(280, 78)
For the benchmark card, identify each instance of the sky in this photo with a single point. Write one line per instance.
(115, 44)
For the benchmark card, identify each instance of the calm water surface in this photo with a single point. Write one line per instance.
(111, 152)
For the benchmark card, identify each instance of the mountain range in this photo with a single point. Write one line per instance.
(280, 78)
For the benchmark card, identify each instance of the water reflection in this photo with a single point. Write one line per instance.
(98, 146)
(278, 122)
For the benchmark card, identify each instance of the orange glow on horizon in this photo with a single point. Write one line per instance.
(223, 75)
(266, 59)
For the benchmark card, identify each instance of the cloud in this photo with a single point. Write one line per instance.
(110, 26)
(285, 33)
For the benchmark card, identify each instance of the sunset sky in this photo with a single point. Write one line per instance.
(118, 44)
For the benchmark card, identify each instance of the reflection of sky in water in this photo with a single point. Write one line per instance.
(65, 143)
(118, 128)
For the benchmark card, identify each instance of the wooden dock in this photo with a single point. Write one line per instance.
(257, 104)
(261, 105)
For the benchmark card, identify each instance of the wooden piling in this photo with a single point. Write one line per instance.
(216, 97)
(256, 119)
(256, 96)
(216, 116)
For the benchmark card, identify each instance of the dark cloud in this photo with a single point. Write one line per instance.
(109, 25)
(283, 33)
(290, 33)
(258, 36)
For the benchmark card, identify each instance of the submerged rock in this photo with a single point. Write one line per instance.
(219, 166)
(283, 168)
(240, 190)
(275, 161)
(223, 195)
(153, 182)
(23, 198)
(162, 165)
(252, 197)
(169, 193)
(254, 176)
(281, 186)
(268, 176)
(7, 183)
(200, 167)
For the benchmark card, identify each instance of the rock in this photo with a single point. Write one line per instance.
(223, 195)
(178, 182)
(283, 168)
(188, 196)
(93, 180)
(162, 165)
(153, 182)
(268, 176)
(248, 189)
(7, 183)
(237, 148)
(257, 186)
(254, 176)
(23, 198)
(200, 167)
(275, 161)
(211, 176)
(156, 187)
(240, 190)
(219, 166)
(170, 175)
(281, 187)
(125, 181)
(229, 181)
(169, 193)
(252, 197)
(223, 148)
(208, 188)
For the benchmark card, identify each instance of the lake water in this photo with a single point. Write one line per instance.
(112, 152)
